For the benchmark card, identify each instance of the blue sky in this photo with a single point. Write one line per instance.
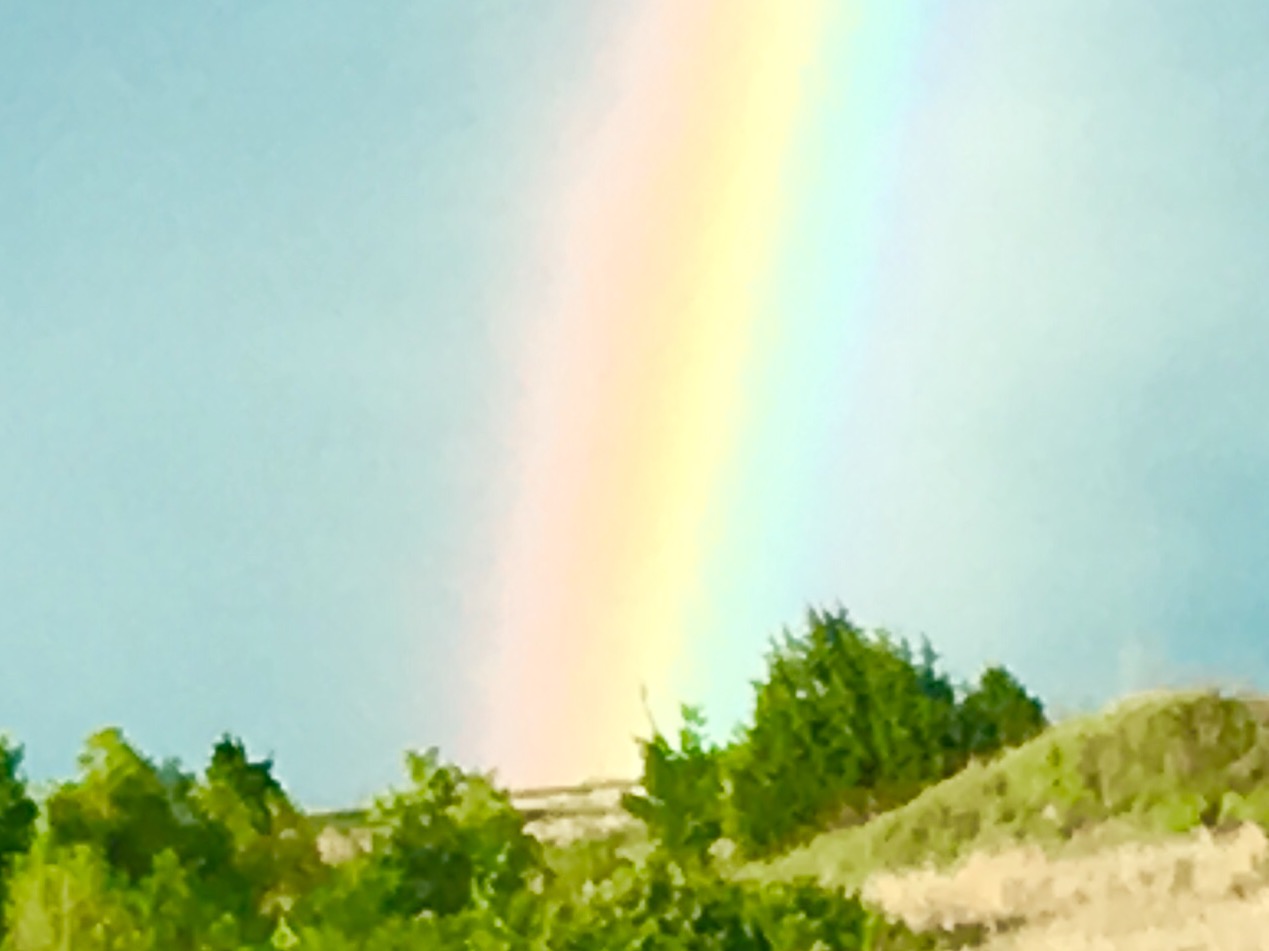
(254, 270)
(1039, 418)
(261, 269)
(1075, 460)
(1090, 361)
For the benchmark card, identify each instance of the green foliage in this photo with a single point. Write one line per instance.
(69, 898)
(273, 848)
(682, 802)
(844, 726)
(138, 856)
(217, 861)
(570, 867)
(665, 905)
(450, 868)
(126, 808)
(18, 815)
(449, 843)
(998, 713)
(646, 906)
(1139, 770)
(354, 899)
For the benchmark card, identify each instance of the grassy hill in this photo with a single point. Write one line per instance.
(1146, 768)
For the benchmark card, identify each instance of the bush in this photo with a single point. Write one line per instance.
(449, 843)
(844, 723)
(682, 802)
(573, 867)
(665, 905)
(643, 905)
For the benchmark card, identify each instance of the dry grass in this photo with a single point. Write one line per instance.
(1194, 892)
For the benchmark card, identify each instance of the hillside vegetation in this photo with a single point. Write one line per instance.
(860, 756)
(846, 726)
(1142, 770)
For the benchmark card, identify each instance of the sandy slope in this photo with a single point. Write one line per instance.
(1195, 892)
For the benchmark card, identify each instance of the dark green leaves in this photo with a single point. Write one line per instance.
(18, 814)
(845, 725)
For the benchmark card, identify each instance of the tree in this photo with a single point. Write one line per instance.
(844, 724)
(938, 714)
(272, 846)
(151, 828)
(18, 814)
(998, 713)
(120, 805)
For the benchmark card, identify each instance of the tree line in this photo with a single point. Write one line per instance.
(137, 855)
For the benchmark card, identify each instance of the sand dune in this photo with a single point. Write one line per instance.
(1195, 892)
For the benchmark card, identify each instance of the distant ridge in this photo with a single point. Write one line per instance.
(556, 814)
(591, 784)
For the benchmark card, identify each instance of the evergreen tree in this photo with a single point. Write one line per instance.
(18, 814)
(998, 713)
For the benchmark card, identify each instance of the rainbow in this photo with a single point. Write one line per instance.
(682, 225)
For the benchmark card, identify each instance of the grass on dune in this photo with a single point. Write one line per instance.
(1148, 767)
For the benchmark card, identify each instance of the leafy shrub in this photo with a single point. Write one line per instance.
(643, 905)
(448, 843)
(665, 905)
(69, 898)
(573, 867)
(682, 802)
